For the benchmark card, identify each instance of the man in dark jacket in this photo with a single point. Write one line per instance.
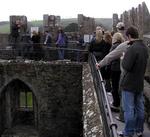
(48, 39)
(132, 83)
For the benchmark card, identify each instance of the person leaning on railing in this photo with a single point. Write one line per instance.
(134, 64)
(132, 79)
(116, 54)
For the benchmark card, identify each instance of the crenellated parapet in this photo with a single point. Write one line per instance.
(51, 23)
(22, 21)
(86, 24)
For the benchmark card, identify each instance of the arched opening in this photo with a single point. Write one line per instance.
(18, 107)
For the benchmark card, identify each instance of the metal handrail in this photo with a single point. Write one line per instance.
(110, 127)
(42, 52)
(21, 44)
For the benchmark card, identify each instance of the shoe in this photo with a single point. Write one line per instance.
(139, 134)
(114, 108)
(109, 93)
(120, 134)
(119, 119)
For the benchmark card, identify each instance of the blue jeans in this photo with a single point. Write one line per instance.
(133, 106)
(78, 56)
(61, 54)
(48, 44)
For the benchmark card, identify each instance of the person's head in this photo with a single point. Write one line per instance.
(117, 38)
(120, 26)
(132, 33)
(60, 30)
(108, 37)
(99, 35)
(34, 32)
(46, 32)
(98, 28)
(17, 21)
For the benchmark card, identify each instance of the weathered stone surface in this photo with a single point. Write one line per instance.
(57, 87)
(115, 21)
(91, 113)
(146, 84)
(147, 102)
(138, 17)
(86, 24)
(23, 21)
(51, 24)
(66, 102)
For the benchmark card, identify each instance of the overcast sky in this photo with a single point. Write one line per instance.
(34, 9)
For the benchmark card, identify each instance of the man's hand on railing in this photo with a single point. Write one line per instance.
(97, 66)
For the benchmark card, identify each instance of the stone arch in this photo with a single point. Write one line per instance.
(12, 112)
(25, 82)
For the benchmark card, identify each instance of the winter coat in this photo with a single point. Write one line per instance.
(134, 65)
(115, 64)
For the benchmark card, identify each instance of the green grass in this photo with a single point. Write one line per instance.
(29, 99)
(36, 23)
(23, 98)
(5, 28)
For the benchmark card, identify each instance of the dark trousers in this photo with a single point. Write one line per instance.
(115, 76)
(14, 41)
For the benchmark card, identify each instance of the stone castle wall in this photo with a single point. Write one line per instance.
(58, 94)
(138, 17)
(23, 22)
(86, 24)
(51, 23)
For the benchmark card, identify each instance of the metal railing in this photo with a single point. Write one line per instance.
(109, 126)
(41, 52)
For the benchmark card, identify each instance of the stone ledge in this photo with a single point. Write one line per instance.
(147, 102)
(91, 114)
(147, 89)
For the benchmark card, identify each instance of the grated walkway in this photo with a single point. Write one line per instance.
(121, 124)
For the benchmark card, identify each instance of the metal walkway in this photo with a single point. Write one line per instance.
(121, 124)
(111, 125)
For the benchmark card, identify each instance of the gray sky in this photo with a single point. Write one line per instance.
(34, 9)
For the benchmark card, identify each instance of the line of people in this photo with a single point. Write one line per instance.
(36, 40)
(61, 41)
(126, 59)
(100, 46)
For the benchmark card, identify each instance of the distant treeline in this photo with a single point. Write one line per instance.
(106, 22)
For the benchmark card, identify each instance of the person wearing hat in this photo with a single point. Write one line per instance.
(121, 29)
(116, 54)
(120, 26)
